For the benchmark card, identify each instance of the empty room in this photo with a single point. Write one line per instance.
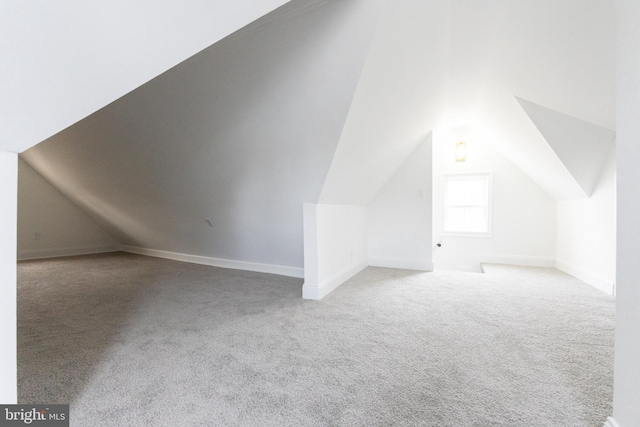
(321, 212)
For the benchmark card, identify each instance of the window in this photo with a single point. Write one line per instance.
(467, 204)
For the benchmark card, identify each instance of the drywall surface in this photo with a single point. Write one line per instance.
(512, 132)
(587, 233)
(50, 225)
(581, 146)
(66, 60)
(8, 349)
(399, 217)
(557, 54)
(335, 246)
(626, 389)
(241, 134)
(523, 224)
(400, 98)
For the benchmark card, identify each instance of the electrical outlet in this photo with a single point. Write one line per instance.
(36, 235)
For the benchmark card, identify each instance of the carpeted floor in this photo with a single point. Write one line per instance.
(137, 341)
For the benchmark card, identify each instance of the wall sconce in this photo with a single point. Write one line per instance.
(461, 151)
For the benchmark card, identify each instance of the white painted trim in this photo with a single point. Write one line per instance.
(525, 260)
(62, 252)
(402, 264)
(586, 276)
(8, 251)
(319, 291)
(218, 262)
(611, 423)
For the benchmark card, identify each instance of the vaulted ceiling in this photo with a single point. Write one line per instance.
(316, 101)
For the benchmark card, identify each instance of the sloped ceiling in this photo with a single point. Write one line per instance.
(399, 100)
(509, 129)
(314, 103)
(63, 60)
(557, 54)
(581, 146)
(242, 134)
(461, 63)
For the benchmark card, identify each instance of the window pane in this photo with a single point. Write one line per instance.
(456, 199)
(466, 203)
(475, 220)
(454, 219)
(455, 193)
(474, 194)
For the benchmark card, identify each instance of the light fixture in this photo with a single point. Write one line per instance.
(461, 151)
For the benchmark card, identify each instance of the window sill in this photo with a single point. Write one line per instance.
(465, 234)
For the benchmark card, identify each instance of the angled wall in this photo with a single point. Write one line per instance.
(399, 217)
(512, 132)
(582, 147)
(241, 134)
(399, 99)
(556, 54)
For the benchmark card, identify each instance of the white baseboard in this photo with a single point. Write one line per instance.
(62, 252)
(525, 260)
(586, 276)
(402, 264)
(218, 262)
(321, 290)
(611, 423)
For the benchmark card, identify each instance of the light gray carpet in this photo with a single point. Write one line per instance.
(136, 341)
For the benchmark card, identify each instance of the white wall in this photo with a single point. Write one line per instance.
(335, 246)
(399, 99)
(626, 409)
(399, 217)
(63, 229)
(523, 215)
(586, 245)
(8, 207)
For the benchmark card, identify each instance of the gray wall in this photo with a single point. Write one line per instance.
(50, 225)
(242, 134)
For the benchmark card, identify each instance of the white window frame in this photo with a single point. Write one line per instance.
(487, 177)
